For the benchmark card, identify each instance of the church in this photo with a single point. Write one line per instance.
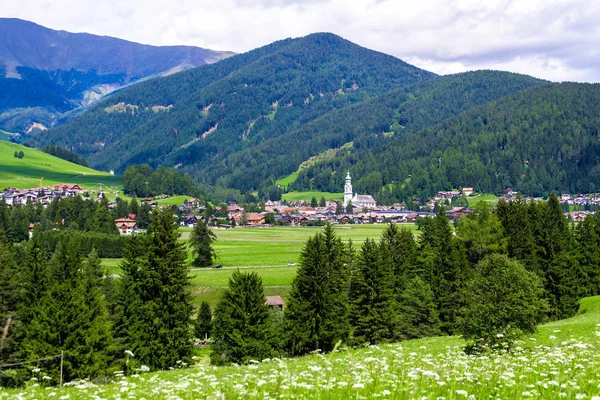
(357, 200)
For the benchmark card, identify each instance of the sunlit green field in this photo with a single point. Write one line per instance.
(26, 172)
(307, 196)
(266, 251)
(277, 246)
(488, 198)
(562, 360)
(172, 201)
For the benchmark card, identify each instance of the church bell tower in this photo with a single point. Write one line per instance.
(348, 190)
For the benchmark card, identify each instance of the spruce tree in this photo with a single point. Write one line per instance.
(317, 314)
(9, 294)
(314, 202)
(163, 286)
(518, 231)
(201, 240)
(418, 313)
(204, 322)
(374, 311)
(322, 202)
(242, 328)
(400, 251)
(103, 220)
(447, 258)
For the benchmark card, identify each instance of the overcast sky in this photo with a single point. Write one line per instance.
(557, 40)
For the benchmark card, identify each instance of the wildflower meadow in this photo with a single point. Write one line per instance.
(562, 360)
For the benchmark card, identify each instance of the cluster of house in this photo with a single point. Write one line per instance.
(43, 195)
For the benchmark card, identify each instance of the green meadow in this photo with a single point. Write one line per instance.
(266, 251)
(25, 173)
(307, 196)
(488, 198)
(562, 360)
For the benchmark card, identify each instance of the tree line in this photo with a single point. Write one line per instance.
(492, 277)
(63, 301)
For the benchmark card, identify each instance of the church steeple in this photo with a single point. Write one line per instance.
(348, 190)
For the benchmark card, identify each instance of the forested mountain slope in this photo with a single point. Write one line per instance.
(45, 73)
(197, 118)
(377, 121)
(536, 140)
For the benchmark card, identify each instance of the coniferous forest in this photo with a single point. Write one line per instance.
(494, 274)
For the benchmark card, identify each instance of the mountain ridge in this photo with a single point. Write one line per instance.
(54, 72)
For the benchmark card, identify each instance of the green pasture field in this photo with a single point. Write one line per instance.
(26, 172)
(172, 201)
(278, 246)
(489, 198)
(266, 251)
(291, 178)
(307, 196)
(562, 360)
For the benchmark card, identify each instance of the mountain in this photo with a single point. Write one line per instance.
(46, 73)
(196, 119)
(378, 121)
(540, 139)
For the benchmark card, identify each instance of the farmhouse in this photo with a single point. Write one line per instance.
(126, 226)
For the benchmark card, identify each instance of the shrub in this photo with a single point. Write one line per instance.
(502, 302)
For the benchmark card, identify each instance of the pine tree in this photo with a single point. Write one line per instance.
(242, 328)
(314, 202)
(204, 321)
(70, 314)
(143, 218)
(128, 300)
(517, 226)
(201, 240)
(400, 251)
(134, 206)
(374, 308)
(418, 314)
(163, 286)
(317, 314)
(103, 220)
(448, 261)
(555, 243)
(322, 202)
(9, 293)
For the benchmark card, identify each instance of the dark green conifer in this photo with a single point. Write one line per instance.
(317, 314)
(163, 285)
(242, 328)
(201, 240)
(204, 322)
(418, 314)
(374, 310)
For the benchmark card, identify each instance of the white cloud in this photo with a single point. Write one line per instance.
(552, 39)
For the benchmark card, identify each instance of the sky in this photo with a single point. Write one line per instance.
(556, 40)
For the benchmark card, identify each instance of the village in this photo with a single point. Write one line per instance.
(354, 208)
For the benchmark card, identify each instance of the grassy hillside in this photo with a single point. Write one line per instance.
(562, 360)
(26, 172)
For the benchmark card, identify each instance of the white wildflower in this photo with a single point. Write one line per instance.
(129, 353)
